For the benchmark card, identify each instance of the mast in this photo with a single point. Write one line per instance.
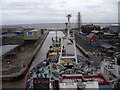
(69, 38)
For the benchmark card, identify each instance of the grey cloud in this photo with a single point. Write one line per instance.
(55, 10)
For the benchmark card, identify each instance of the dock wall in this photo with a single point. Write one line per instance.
(23, 71)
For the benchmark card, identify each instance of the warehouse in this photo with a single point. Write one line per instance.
(12, 35)
(8, 30)
(32, 35)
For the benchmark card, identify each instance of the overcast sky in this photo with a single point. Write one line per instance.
(55, 11)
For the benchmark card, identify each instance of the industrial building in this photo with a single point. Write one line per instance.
(91, 38)
(11, 30)
(11, 35)
(15, 34)
(32, 34)
(114, 29)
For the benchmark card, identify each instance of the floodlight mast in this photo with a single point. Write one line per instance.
(68, 25)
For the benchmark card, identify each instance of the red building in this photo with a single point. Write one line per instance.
(91, 38)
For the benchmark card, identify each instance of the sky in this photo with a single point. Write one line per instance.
(55, 11)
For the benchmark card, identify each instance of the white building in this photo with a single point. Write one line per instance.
(111, 69)
(32, 34)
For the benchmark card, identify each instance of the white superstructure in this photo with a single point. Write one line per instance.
(68, 42)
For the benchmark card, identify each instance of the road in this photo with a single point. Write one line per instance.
(39, 57)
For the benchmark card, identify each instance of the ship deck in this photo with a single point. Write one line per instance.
(69, 46)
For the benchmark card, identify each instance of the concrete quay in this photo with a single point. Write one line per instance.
(25, 63)
(87, 50)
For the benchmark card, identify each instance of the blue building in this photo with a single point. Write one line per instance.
(11, 30)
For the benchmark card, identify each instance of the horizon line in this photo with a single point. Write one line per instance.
(62, 23)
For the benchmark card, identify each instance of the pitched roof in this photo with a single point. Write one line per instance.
(14, 27)
(107, 46)
(90, 35)
(114, 29)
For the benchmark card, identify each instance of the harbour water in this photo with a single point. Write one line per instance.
(59, 25)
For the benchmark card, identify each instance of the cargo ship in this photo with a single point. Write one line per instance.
(66, 70)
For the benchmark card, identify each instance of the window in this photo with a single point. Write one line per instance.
(9, 31)
(29, 33)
